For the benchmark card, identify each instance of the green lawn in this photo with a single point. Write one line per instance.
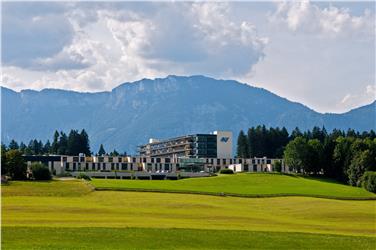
(38, 215)
(242, 184)
(45, 188)
(149, 238)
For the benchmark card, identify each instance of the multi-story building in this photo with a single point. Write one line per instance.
(193, 155)
(217, 144)
(71, 164)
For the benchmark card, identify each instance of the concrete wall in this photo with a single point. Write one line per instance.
(224, 144)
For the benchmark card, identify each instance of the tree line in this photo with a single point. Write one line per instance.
(344, 156)
(74, 143)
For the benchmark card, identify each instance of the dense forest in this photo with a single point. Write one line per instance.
(344, 156)
(62, 144)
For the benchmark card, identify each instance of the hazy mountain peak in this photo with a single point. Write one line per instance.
(133, 112)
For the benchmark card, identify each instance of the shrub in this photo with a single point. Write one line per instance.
(40, 171)
(83, 176)
(226, 171)
(369, 181)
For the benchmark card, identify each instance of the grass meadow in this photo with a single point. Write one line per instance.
(243, 184)
(69, 214)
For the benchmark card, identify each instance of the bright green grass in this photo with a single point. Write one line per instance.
(148, 238)
(45, 188)
(163, 210)
(36, 215)
(244, 184)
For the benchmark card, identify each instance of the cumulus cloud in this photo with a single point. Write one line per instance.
(308, 17)
(303, 50)
(112, 44)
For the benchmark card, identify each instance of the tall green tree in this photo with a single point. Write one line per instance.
(63, 144)
(55, 143)
(101, 150)
(85, 143)
(13, 145)
(342, 155)
(4, 166)
(22, 147)
(73, 143)
(315, 156)
(296, 154)
(15, 164)
(47, 147)
(242, 145)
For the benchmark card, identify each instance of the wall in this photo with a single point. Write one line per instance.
(224, 144)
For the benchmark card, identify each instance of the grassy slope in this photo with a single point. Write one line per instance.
(148, 238)
(246, 184)
(161, 210)
(113, 220)
(45, 188)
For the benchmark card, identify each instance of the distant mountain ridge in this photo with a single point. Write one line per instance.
(133, 112)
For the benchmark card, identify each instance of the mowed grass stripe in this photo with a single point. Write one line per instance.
(242, 185)
(55, 188)
(158, 238)
(161, 210)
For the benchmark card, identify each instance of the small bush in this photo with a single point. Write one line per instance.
(226, 171)
(83, 176)
(40, 172)
(369, 181)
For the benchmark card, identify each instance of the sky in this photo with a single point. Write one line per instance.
(321, 54)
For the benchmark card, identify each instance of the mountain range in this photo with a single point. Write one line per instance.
(133, 112)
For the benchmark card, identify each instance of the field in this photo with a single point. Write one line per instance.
(40, 215)
(243, 184)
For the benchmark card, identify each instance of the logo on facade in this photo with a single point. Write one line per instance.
(224, 139)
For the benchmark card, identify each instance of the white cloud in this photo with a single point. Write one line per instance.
(111, 45)
(367, 96)
(317, 55)
(310, 53)
(305, 16)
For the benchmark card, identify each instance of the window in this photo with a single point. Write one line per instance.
(75, 158)
(240, 161)
(134, 159)
(112, 166)
(158, 160)
(67, 166)
(100, 159)
(144, 160)
(110, 159)
(152, 160)
(74, 166)
(167, 160)
(87, 166)
(218, 161)
(166, 167)
(120, 159)
(124, 166)
(82, 159)
(224, 161)
(254, 168)
(268, 161)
